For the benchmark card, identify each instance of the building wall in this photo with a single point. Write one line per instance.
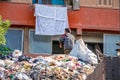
(85, 18)
(85, 3)
(116, 4)
(94, 19)
(89, 17)
(18, 14)
(93, 37)
(21, 1)
(95, 3)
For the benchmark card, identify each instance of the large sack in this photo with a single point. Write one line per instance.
(2, 63)
(16, 53)
(35, 75)
(82, 52)
(21, 76)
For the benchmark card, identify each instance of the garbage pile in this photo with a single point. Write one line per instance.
(55, 67)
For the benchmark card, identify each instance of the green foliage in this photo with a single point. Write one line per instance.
(4, 25)
(5, 50)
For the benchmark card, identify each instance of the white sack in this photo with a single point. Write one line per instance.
(22, 76)
(82, 52)
(17, 53)
(2, 63)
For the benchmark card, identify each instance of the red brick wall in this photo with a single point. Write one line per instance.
(19, 14)
(95, 18)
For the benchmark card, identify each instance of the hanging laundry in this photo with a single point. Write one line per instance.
(50, 20)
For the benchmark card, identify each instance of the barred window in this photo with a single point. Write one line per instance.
(105, 3)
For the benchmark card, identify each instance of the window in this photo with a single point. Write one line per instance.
(110, 46)
(34, 1)
(94, 46)
(14, 39)
(71, 4)
(55, 48)
(54, 2)
(21, 1)
(100, 2)
(4, 0)
(106, 3)
(110, 2)
(45, 1)
(39, 44)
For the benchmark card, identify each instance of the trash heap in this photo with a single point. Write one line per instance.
(55, 67)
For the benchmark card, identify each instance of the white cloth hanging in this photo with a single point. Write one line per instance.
(50, 20)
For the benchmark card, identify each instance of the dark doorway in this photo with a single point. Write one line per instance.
(92, 46)
(55, 48)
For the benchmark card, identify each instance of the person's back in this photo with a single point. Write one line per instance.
(68, 41)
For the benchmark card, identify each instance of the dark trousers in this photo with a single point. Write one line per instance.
(67, 51)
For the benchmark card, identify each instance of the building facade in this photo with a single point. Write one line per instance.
(96, 21)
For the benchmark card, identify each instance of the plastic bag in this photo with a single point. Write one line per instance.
(1, 74)
(22, 76)
(16, 53)
(82, 52)
(2, 63)
(35, 75)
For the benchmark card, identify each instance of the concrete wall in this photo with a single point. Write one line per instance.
(95, 3)
(94, 37)
(85, 3)
(21, 1)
